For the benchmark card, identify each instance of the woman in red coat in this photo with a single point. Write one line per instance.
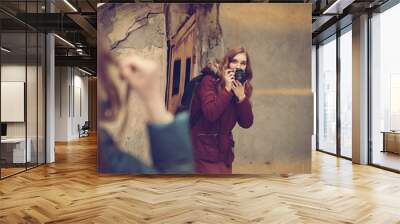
(221, 102)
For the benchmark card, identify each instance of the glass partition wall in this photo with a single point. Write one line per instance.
(334, 90)
(22, 77)
(327, 95)
(334, 94)
(385, 89)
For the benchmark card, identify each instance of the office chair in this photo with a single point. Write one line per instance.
(84, 130)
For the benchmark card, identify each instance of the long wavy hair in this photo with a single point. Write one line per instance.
(230, 54)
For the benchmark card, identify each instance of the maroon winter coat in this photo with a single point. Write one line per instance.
(212, 134)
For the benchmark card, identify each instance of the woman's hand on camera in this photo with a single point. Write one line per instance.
(143, 76)
(238, 89)
(229, 76)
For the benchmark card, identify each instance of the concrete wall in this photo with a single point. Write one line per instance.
(139, 29)
(278, 38)
(209, 44)
(360, 90)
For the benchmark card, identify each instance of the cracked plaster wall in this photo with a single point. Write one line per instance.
(209, 44)
(140, 29)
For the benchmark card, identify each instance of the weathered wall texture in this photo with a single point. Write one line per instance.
(138, 29)
(209, 43)
(176, 15)
(278, 38)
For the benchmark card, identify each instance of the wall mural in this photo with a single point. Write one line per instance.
(204, 88)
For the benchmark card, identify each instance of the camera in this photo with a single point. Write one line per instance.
(240, 75)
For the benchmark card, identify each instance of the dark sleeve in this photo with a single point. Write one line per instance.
(113, 160)
(245, 113)
(171, 147)
(213, 102)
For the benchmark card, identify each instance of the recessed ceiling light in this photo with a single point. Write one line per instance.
(5, 50)
(70, 5)
(338, 6)
(86, 72)
(64, 40)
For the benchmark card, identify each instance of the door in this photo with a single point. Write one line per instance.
(180, 64)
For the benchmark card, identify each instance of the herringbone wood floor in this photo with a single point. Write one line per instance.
(70, 191)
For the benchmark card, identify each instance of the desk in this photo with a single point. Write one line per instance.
(16, 148)
(391, 141)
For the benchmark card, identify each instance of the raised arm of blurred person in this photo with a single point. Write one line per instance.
(143, 77)
(170, 145)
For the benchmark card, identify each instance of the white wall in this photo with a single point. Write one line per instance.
(80, 96)
(15, 73)
(71, 93)
(33, 127)
(61, 103)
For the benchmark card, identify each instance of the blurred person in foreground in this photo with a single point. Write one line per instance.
(170, 146)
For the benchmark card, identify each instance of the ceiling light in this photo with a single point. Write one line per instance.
(65, 41)
(70, 5)
(338, 6)
(80, 51)
(100, 4)
(5, 50)
(86, 72)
